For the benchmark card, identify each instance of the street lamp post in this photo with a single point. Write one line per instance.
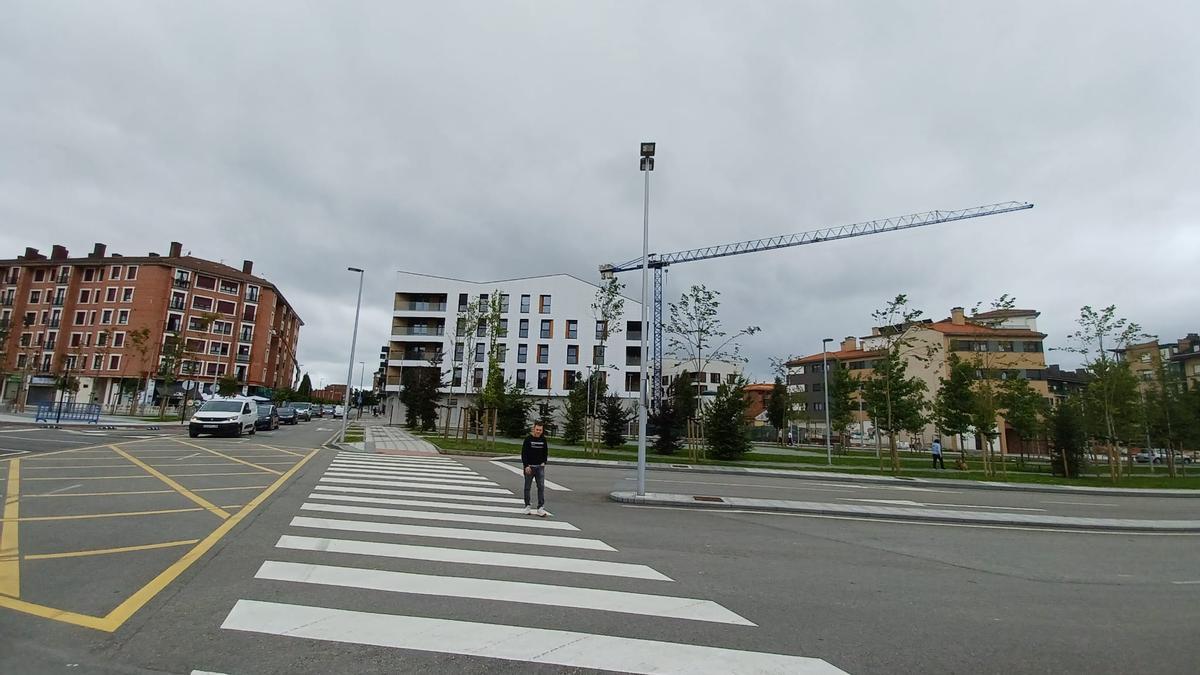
(825, 373)
(647, 165)
(353, 342)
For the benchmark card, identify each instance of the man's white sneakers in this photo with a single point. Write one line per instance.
(528, 510)
(541, 513)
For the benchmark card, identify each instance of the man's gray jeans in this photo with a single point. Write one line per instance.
(538, 472)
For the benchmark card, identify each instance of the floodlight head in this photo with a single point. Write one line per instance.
(353, 269)
(647, 149)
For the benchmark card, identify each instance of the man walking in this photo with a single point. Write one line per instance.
(936, 448)
(534, 454)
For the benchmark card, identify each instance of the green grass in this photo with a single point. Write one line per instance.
(911, 468)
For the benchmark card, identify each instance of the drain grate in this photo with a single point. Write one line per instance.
(707, 499)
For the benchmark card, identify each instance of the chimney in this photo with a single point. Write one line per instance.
(247, 266)
(957, 317)
(31, 253)
(153, 254)
(849, 343)
(98, 251)
(58, 252)
(176, 249)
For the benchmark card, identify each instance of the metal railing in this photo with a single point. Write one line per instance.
(420, 307)
(57, 302)
(243, 358)
(57, 412)
(415, 330)
(181, 283)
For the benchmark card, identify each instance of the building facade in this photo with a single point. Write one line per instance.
(82, 319)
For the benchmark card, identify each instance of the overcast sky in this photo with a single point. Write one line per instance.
(492, 139)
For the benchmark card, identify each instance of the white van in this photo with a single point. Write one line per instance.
(233, 416)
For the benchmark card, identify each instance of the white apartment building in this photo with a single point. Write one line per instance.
(552, 336)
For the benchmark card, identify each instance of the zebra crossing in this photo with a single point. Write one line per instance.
(410, 527)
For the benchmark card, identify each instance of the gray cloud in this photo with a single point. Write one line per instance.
(489, 140)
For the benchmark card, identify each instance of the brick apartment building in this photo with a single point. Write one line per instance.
(74, 316)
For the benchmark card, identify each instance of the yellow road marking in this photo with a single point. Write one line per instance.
(236, 487)
(43, 455)
(226, 473)
(104, 494)
(271, 447)
(115, 514)
(105, 551)
(229, 457)
(214, 509)
(10, 562)
(87, 477)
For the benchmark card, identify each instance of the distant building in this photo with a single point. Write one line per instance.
(757, 397)
(1063, 383)
(75, 317)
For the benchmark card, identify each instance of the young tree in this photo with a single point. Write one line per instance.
(575, 422)
(514, 412)
(140, 344)
(841, 401)
(667, 427)
(1070, 436)
(305, 390)
(725, 427)
(898, 401)
(696, 335)
(1024, 409)
(778, 405)
(493, 388)
(175, 352)
(229, 386)
(614, 420)
(686, 401)
(954, 402)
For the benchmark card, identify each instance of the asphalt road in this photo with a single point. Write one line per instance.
(863, 596)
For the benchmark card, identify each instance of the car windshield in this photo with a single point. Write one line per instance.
(221, 406)
(264, 410)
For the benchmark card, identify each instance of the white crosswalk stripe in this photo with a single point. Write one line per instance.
(371, 501)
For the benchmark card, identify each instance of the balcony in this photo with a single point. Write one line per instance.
(6, 302)
(633, 361)
(50, 344)
(181, 283)
(63, 278)
(178, 305)
(54, 323)
(414, 355)
(243, 358)
(419, 330)
(57, 302)
(420, 306)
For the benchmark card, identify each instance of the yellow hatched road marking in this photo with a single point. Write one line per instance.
(10, 562)
(104, 494)
(271, 447)
(44, 455)
(229, 457)
(105, 551)
(214, 509)
(87, 477)
(115, 514)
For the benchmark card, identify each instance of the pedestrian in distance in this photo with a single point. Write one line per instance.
(534, 453)
(789, 438)
(936, 449)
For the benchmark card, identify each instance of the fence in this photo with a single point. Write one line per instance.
(70, 412)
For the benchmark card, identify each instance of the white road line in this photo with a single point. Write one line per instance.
(421, 503)
(377, 459)
(472, 557)
(522, 592)
(344, 473)
(400, 467)
(194, 454)
(206, 672)
(1186, 583)
(451, 533)
(905, 502)
(801, 486)
(526, 521)
(434, 473)
(550, 484)
(423, 495)
(412, 484)
(511, 643)
(54, 492)
(1081, 503)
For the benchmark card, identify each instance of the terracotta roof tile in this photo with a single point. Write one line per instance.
(851, 355)
(948, 327)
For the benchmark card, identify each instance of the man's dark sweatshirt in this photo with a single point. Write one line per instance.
(535, 451)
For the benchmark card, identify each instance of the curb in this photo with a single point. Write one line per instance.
(907, 514)
(880, 480)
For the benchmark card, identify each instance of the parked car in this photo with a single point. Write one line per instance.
(232, 416)
(268, 417)
(303, 411)
(1159, 456)
(338, 412)
(287, 415)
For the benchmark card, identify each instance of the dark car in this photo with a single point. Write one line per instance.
(288, 415)
(303, 412)
(268, 417)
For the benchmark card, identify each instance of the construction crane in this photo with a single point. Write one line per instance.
(660, 261)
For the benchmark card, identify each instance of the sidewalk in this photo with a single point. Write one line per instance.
(380, 438)
(902, 513)
(106, 422)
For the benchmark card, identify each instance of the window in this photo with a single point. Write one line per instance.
(246, 334)
(547, 329)
(477, 378)
(206, 282)
(479, 352)
(114, 273)
(522, 353)
(126, 294)
(801, 388)
(110, 294)
(714, 378)
(601, 330)
(22, 360)
(123, 316)
(572, 329)
(118, 339)
(543, 379)
(456, 378)
(106, 317)
(818, 406)
(202, 304)
(523, 330)
(1031, 347)
(503, 332)
(39, 275)
(252, 294)
(89, 274)
(35, 297)
(817, 368)
(97, 361)
(544, 304)
(458, 351)
(196, 323)
(501, 353)
(633, 330)
(543, 354)
(572, 355)
(248, 312)
(570, 377)
(483, 302)
(800, 407)
(85, 296)
(226, 307)
(76, 339)
(174, 322)
(1005, 346)
(504, 302)
(598, 355)
(102, 338)
(818, 386)
(633, 382)
(131, 272)
(462, 302)
(481, 328)
(230, 287)
(521, 377)
(1145, 358)
(80, 318)
(194, 345)
(524, 304)
(222, 327)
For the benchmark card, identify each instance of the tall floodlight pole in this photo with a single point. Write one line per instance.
(353, 342)
(647, 165)
(825, 372)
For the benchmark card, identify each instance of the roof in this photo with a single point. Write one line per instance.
(1005, 313)
(759, 386)
(851, 355)
(512, 279)
(948, 327)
